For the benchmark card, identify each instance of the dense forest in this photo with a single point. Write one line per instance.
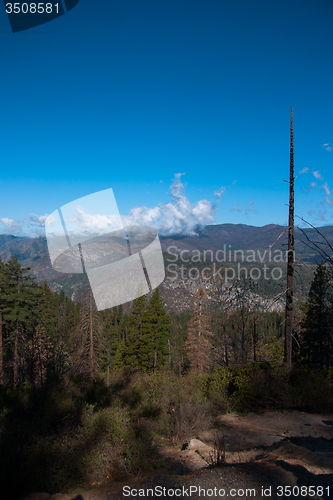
(85, 395)
(44, 334)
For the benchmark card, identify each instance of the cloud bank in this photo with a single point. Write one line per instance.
(179, 216)
(323, 187)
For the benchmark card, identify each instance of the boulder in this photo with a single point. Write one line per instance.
(197, 445)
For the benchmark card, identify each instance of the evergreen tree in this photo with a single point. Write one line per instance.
(20, 299)
(177, 345)
(156, 327)
(114, 328)
(47, 311)
(67, 321)
(148, 331)
(129, 352)
(315, 337)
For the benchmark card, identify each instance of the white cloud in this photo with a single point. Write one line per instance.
(142, 216)
(180, 216)
(326, 197)
(218, 194)
(236, 209)
(311, 186)
(326, 201)
(321, 215)
(327, 147)
(326, 189)
(12, 226)
(95, 223)
(318, 176)
(37, 220)
(177, 216)
(304, 170)
(250, 208)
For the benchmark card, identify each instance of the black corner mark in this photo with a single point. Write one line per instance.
(24, 15)
(70, 4)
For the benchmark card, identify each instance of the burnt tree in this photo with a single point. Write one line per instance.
(290, 265)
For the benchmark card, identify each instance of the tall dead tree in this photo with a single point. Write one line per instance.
(1, 348)
(1, 352)
(199, 336)
(88, 341)
(290, 266)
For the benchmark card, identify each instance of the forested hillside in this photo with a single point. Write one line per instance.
(85, 396)
(239, 246)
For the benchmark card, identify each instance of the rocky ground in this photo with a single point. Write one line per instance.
(289, 448)
(298, 438)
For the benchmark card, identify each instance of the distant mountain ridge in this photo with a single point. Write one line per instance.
(33, 252)
(244, 237)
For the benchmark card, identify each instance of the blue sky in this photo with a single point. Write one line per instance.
(128, 95)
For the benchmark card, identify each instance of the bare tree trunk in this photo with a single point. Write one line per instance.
(290, 266)
(155, 359)
(40, 364)
(254, 337)
(15, 378)
(1, 353)
(91, 353)
(16, 353)
(169, 348)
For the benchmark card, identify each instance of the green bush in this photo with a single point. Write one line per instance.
(52, 440)
(312, 391)
(259, 386)
(64, 436)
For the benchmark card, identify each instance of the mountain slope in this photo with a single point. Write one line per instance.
(178, 292)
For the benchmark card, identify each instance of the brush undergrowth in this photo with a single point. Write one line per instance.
(62, 437)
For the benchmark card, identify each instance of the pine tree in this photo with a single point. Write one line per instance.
(20, 298)
(129, 352)
(47, 310)
(156, 327)
(114, 328)
(316, 335)
(199, 337)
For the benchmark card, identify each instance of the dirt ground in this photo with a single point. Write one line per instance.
(296, 447)
(298, 438)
